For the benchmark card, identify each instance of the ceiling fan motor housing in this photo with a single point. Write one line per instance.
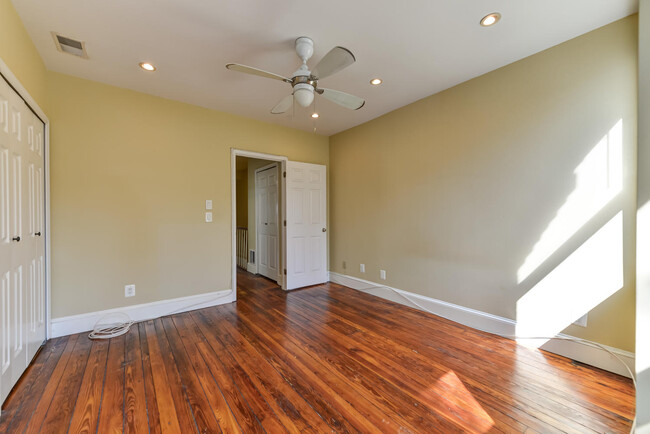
(304, 48)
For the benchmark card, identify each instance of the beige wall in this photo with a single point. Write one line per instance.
(451, 194)
(242, 192)
(130, 176)
(20, 55)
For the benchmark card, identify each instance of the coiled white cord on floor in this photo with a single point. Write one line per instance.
(116, 324)
(513, 337)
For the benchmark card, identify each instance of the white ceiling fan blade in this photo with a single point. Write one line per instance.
(284, 105)
(254, 71)
(337, 59)
(342, 98)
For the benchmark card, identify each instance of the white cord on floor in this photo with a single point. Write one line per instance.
(122, 324)
(513, 337)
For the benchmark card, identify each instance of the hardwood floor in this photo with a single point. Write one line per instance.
(325, 358)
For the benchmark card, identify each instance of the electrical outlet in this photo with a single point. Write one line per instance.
(208, 204)
(208, 217)
(362, 268)
(344, 265)
(382, 274)
(129, 291)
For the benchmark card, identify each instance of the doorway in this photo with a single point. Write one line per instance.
(279, 219)
(258, 215)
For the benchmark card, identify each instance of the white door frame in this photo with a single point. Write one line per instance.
(20, 89)
(279, 278)
(234, 153)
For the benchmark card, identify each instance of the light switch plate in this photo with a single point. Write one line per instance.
(208, 204)
(382, 274)
(208, 217)
(362, 268)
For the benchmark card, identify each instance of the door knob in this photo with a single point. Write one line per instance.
(15, 239)
(324, 230)
(38, 234)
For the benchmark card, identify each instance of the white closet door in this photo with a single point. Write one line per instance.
(34, 240)
(266, 206)
(21, 189)
(306, 225)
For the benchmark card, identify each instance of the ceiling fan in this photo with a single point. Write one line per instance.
(304, 82)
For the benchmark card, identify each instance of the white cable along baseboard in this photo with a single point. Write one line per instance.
(492, 323)
(69, 325)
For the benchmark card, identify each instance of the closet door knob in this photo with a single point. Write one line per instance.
(15, 239)
(38, 234)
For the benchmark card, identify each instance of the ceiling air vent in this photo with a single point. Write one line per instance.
(70, 46)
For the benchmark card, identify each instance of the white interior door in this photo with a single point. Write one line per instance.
(34, 237)
(306, 225)
(266, 206)
(22, 286)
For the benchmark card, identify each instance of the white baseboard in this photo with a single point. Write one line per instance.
(491, 323)
(251, 268)
(69, 325)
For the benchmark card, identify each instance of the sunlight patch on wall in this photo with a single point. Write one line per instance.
(591, 274)
(599, 178)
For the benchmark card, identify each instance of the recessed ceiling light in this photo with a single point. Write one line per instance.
(314, 115)
(376, 81)
(490, 19)
(147, 66)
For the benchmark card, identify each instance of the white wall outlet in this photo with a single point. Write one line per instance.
(208, 217)
(129, 291)
(382, 274)
(582, 321)
(208, 204)
(362, 268)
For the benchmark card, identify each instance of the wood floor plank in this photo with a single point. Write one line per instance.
(386, 396)
(264, 413)
(320, 359)
(201, 409)
(153, 415)
(286, 400)
(111, 416)
(380, 417)
(226, 418)
(23, 400)
(63, 402)
(178, 390)
(162, 393)
(135, 397)
(86, 412)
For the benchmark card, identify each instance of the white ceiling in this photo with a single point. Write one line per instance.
(418, 47)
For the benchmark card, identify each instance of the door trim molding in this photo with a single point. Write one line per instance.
(234, 153)
(278, 277)
(490, 323)
(31, 102)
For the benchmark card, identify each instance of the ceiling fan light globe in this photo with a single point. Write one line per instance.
(303, 96)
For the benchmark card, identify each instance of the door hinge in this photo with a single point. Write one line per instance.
(285, 222)
(284, 174)
(285, 271)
